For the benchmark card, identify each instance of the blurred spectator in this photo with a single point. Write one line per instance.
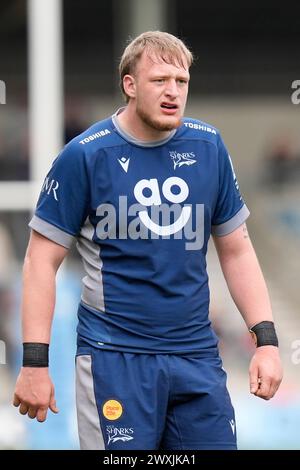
(7, 275)
(282, 162)
(74, 123)
(73, 127)
(14, 149)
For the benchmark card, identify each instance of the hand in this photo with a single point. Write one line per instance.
(34, 393)
(265, 372)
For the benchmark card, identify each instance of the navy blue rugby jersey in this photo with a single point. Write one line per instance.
(142, 214)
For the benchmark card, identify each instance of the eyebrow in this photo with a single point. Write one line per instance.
(164, 76)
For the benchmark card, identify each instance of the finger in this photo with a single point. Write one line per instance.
(41, 415)
(274, 387)
(23, 409)
(52, 404)
(254, 383)
(16, 401)
(264, 389)
(254, 386)
(32, 413)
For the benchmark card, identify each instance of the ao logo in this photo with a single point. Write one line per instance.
(155, 199)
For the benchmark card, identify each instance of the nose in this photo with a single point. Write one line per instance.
(172, 88)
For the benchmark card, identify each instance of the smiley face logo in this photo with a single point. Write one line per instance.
(147, 193)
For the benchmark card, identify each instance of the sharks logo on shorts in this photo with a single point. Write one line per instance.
(119, 434)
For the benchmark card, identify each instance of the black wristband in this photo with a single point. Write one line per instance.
(35, 355)
(264, 334)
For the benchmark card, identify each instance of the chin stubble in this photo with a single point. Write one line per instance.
(156, 124)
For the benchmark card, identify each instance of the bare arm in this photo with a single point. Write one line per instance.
(249, 292)
(34, 391)
(243, 276)
(42, 260)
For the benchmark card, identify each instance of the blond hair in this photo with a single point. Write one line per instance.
(169, 48)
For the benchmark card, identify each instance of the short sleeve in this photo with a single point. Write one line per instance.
(230, 210)
(63, 203)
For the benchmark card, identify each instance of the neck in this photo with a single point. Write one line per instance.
(131, 123)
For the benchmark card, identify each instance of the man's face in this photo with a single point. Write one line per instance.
(160, 92)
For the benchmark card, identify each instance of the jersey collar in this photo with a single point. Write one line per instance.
(133, 140)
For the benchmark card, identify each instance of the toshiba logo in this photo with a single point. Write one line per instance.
(200, 127)
(95, 136)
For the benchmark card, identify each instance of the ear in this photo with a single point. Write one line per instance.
(129, 85)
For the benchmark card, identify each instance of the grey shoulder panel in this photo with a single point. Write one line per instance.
(51, 231)
(231, 224)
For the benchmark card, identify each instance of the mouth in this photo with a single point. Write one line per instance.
(169, 108)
